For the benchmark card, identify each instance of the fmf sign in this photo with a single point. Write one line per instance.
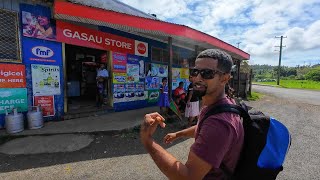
(81, 36)
(41, 52)
(12, 76)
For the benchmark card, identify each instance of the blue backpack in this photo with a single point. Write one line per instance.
(266, 143)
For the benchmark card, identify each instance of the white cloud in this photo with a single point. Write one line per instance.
(163, 9)
(254, 23)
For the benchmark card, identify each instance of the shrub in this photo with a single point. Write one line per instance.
(300, 77)
(313, 74)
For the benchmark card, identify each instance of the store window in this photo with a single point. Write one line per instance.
(9, 38)
(176, 58)
(166, 57)
(162, 55)
(156, 54)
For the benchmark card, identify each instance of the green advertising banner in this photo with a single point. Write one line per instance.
(153, 96)
(13, 98)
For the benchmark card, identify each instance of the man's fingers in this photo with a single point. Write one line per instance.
(155, 115)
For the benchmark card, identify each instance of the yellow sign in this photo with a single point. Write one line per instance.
(184, 73)
(119, 78)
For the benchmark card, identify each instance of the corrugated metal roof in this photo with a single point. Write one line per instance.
(114, 5)
(160, 35)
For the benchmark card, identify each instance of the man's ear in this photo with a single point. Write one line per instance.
(225, 78)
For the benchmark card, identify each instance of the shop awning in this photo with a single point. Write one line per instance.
(152, 28)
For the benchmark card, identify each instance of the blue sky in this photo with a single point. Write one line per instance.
(254, 23)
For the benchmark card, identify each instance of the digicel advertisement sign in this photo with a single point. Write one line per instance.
(12, 76)
(81, 36)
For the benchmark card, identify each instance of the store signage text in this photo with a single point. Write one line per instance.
(96, 39)
(42, 51)
(46, 103)
(13, 98)
(78, 35)
(12, 76)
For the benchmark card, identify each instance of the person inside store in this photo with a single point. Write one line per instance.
(102, 76)
(179, 96)
(218, 138)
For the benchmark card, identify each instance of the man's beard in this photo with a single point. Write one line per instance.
(199, 92)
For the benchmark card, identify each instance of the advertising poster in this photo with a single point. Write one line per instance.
(37, 51)
(175, 83)
(159, 70)
(153, 96)
(132, 72)
(119, 93)
(12, 76)
(152, 83)
(176, 73)
(185, 73)
(13, 98)
(45, 80)
(130, 92)
(119, 78)
(139, 91)
(46, 103)
(36, 22)
(132, 59)
(119, 62)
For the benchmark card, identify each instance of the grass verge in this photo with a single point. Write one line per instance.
(296, 84)
(254, 96)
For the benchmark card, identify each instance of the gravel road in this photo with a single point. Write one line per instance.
(123, 157)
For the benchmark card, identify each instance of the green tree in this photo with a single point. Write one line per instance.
(313, 74)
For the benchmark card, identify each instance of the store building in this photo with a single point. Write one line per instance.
(50, 51)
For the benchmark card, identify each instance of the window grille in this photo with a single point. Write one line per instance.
(9, 36)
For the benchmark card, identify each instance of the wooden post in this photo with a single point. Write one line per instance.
(238, 71)
(64, 65)
(250, 82)
(170, 66)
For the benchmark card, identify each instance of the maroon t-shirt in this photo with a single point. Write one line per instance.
(219, 141)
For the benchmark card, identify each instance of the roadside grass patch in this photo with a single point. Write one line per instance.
(296, 84)
(254, 96)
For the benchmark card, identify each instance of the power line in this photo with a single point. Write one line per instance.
(280, 54)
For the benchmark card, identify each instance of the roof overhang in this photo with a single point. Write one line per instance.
(155, 29)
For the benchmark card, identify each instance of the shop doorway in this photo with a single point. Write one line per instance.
(82, 91)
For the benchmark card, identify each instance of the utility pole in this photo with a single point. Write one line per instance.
(238, 44)
(280, 54)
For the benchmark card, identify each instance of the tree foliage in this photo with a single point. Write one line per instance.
(313, 74)
(299, 72)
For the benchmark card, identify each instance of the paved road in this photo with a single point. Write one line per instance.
(305, 96)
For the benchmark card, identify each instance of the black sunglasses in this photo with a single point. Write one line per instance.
(205, 73)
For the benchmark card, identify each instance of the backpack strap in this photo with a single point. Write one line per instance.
(226, 108)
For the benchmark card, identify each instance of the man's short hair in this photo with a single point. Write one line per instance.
(225, 62)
